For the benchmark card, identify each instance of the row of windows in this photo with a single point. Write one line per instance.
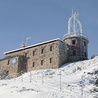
(42, 51)
(74, 53)
(75, 42)
(42, 62)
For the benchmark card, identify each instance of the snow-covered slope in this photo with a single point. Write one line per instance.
(73, 80)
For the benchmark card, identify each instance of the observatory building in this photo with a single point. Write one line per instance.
(49, 54)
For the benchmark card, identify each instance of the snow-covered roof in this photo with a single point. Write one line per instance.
(31, 46)
(68, 35)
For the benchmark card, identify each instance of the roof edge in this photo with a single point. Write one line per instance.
(31, 46)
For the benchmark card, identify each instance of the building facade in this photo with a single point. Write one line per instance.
(49, 54)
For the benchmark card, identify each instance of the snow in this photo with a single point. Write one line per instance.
(72, 80)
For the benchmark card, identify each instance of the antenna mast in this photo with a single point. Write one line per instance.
(28, 38)
(74, 25)
(25, 44)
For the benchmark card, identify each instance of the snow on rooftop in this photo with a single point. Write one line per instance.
(31, 46)
(68, 35)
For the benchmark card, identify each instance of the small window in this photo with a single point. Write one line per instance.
(8, 62)
(84, 43)
(33, 64)
(51, 48)
(85, 54)
(42, 62)
(42, 51)
(50, 60)
(34, 52)
(73, 42)
(74, 52)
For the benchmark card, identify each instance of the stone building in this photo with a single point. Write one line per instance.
(49, 54)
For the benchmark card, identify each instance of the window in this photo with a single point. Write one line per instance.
(42, 51)
(34, 52)
(74, 52)
(84, 43)
(51, 48)
(50, 60)
(8, 62)
(73, 42)
(42, 62)
(33, 64)
(85, 54)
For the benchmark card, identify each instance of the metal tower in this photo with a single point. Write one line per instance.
(74, 24)
(74, 27)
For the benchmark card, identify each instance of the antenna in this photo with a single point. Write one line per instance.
(25, 44)
(28, 38)
(74, 25)
(22, 44)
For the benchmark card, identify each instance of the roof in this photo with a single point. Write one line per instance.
(68, 35)
(23, 48)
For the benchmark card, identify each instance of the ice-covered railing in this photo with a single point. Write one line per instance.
(68, 35)
(74, 27)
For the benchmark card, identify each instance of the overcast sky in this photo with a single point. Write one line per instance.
(43, 20)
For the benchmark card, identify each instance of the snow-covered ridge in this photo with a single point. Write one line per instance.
(72, 80)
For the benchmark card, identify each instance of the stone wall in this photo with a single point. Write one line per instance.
(80, 46)
(41, 56)
(6, 65)
(63, 56)
(34, 61)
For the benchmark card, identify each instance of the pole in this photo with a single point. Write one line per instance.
(81, 91)
(60, 80)
(42, 78)
(21, 76)
(30, 76)
(82, 85)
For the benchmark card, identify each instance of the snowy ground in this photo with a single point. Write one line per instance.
(73, 80)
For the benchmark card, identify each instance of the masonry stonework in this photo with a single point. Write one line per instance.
(50, 54)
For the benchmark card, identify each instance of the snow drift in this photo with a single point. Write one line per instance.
(72, 80)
